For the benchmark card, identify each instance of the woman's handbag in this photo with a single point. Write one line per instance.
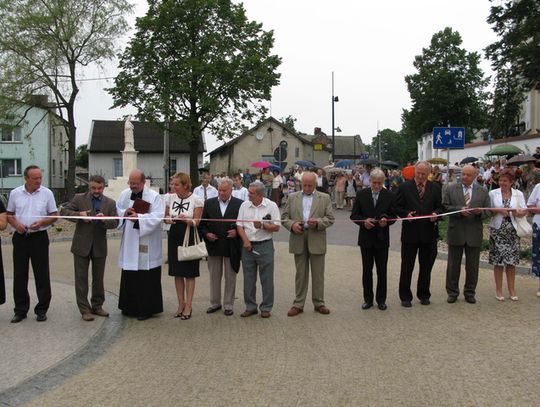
(195, 252)
(523, 227)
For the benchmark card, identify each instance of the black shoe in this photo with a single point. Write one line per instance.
(425, 301)
(41, 318)
(406, 304)
(144, 317)
(211, 310)
(382, 306)
(451, 299)
(228, 312)
(470, 300)
(18, 318)
(367, 305)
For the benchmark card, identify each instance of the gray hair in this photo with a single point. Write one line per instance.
(259, 187)
(227, 181)
(426, 163)
(377, 173)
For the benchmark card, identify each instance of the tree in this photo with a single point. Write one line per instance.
(289, 121)
(43, 45)
(82, 156)
(199, 62)
(393, 146)
(506, 105)
(448, 88)
(517, 23)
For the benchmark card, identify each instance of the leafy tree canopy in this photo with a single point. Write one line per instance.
(448, 88)
(82, 156)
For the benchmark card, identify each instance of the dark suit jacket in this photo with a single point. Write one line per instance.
(325, 185)
(90, 238)
(222, 247)
(377, 237)
(407, 200)
(465, 229)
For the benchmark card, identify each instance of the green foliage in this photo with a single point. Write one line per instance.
(506, 105)
(517, 23)
(448, 88)
(201, 62)
(525, 254)
(289, 121)
(43, 44)
(394, 147)
(82, 156)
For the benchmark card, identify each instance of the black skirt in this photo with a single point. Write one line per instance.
(140, 292)
(186, 269)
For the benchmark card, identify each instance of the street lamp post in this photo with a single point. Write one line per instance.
(334, 99)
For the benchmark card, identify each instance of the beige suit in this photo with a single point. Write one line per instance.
(309, 247)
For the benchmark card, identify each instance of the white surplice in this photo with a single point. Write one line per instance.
(140, 249)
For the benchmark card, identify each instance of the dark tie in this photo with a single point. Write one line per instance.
(135, 195)
(375, 197)
(204, 193)
(421, 191)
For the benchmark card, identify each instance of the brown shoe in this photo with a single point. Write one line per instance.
(322, 309)
(87, 316)
(100, 312)
(294, 311)
(247, 313)
(265, 314)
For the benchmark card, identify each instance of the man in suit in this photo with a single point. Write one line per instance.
(465, 232)
(223, 244)
(90, 245)
(307, 215)
(372, 207)
(418, 197)
(322, 182)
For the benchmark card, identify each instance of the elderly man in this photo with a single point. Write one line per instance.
(223, 245)
(258, 219)
(307, 215)
(140, 249)
(465, 232)
(90, 245)
(205, 190)
(372, 207)
(418, 197)
(27, 211)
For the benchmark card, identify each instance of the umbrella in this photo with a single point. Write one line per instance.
(389, 163)
(521, 159)
(368, 161)
(468, 160)
(438, 160)
(344, 163)
(327, 167)
(504, 149)
(305, 163)
(335, 170)
(260, 164)
(275, 167)
(452, 167)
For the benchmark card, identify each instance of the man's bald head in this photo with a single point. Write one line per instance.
(309, 182)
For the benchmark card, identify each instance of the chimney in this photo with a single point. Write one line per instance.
(317, 131)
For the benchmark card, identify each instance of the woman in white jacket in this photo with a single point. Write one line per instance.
(503, 238)
(534, 207)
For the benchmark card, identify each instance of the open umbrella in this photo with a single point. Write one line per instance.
(368, 161)
(305, 163)
(335, 170)
(344, 163)
(521, 159)
(468, 160)
(504, 149)
(275, 167)
(391, 164)
(438, 161)
(260, 164)
(327, 167)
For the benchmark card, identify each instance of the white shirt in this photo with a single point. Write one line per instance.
(534, 200)
(29, 207)
(307, 201)
(249, 211)
(319, 180)
(211, 192)
(223, 205)
(241, 193)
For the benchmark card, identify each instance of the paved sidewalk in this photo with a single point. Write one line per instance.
(459, 354)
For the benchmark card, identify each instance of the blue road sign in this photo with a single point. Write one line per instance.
(448, 137)
(364, 156)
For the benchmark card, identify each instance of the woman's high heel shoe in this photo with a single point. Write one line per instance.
(514, 297)
(185, 317)
(499, 298)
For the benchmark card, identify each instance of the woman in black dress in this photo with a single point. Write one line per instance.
(3, 224)
(183, 208)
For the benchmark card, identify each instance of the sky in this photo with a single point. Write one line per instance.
(369, 45)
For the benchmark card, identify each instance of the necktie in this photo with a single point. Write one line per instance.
(204, 193)
(421, 191)
(135, 195)
(375, 197)
(467, 197)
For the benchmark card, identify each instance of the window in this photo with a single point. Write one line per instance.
(296, 152)
(117, 167)
(172, 167)
(11, 134)
(11, 167)
(61, 172)
(53, 169)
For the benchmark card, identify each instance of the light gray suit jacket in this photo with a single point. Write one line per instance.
(465, 229)
(321, 210)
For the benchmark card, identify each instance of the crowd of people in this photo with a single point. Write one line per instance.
(237, 217)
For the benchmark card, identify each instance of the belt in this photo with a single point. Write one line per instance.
(260, 242)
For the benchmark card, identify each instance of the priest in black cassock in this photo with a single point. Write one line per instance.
(140, 250)
(3, 224)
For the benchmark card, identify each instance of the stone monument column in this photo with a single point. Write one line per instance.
(129, 155)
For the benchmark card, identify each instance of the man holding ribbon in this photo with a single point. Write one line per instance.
(140, 250)
(465, 232)
(421, 201)
(90, 244)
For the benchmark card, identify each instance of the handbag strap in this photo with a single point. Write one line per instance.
(186, 236)
(197, 239)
